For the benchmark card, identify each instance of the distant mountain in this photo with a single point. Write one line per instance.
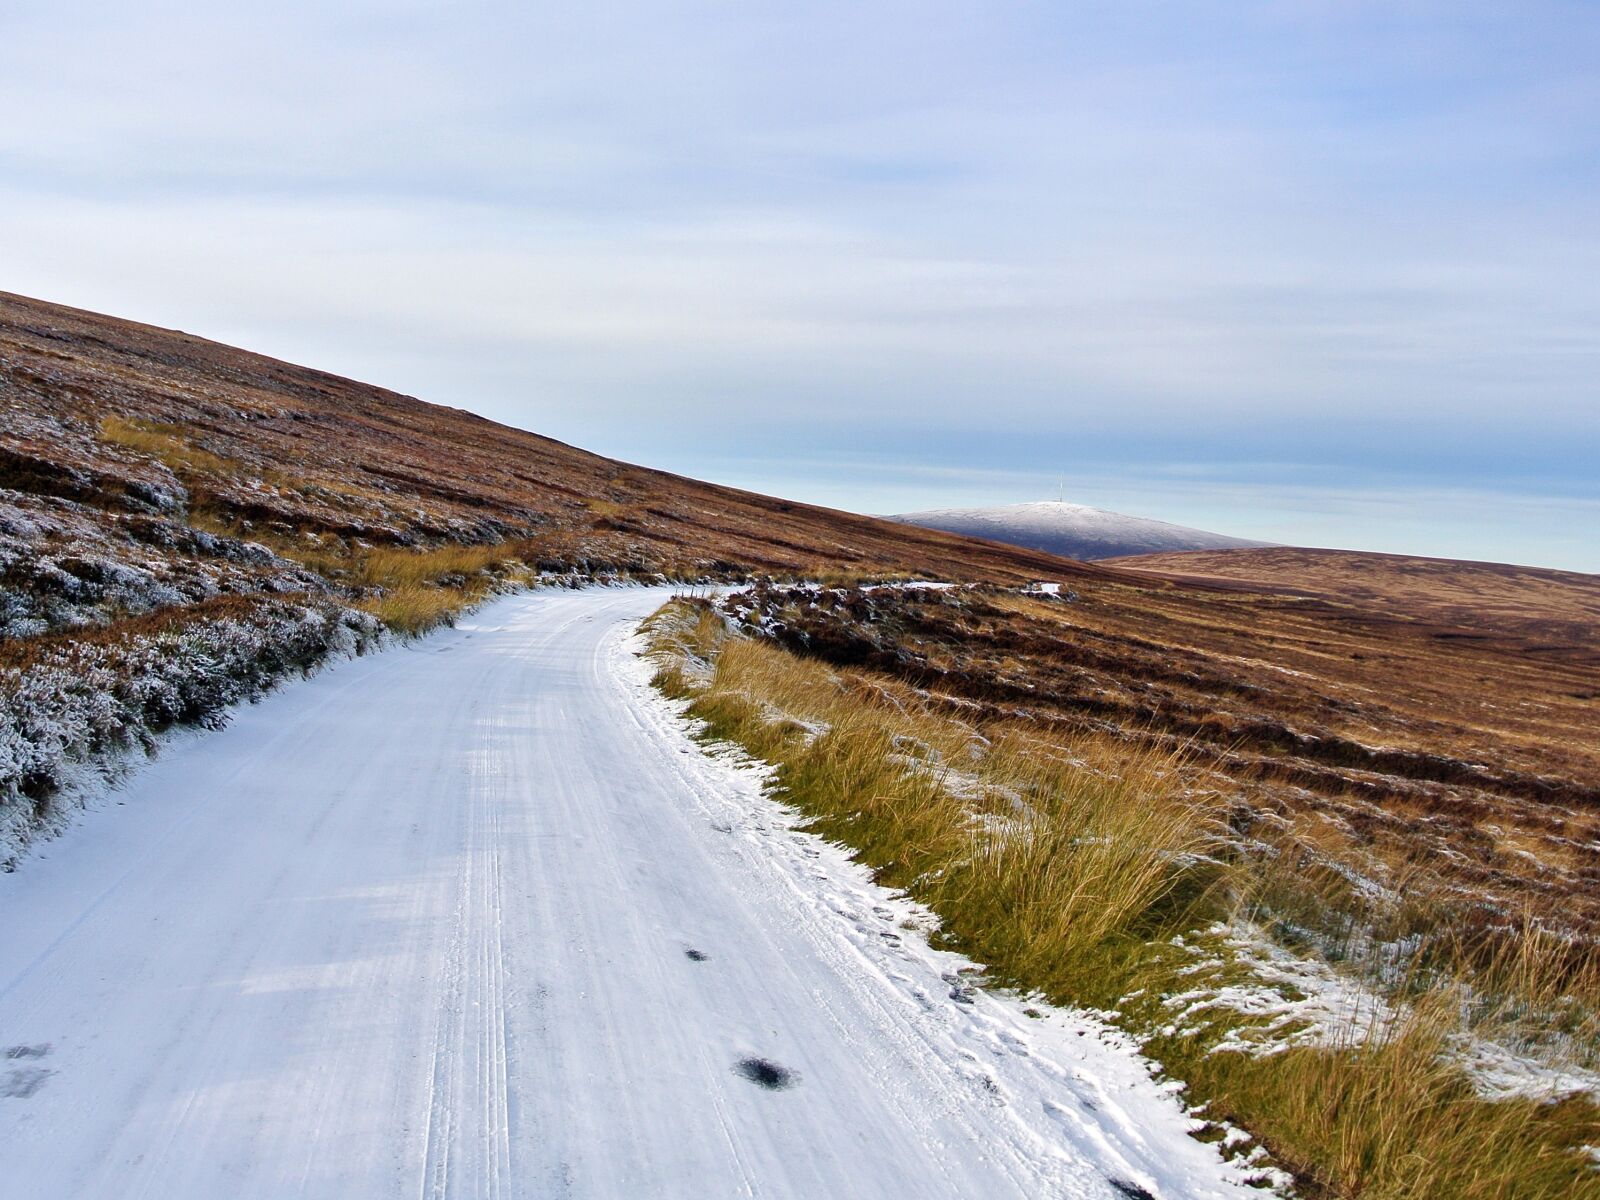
(1072, 530)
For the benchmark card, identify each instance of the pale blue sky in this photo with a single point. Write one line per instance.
(1320, 272)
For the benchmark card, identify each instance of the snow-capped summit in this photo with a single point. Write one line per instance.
(1072, 530)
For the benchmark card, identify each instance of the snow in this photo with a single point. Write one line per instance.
(421, 926)
(1298, 1001)
(1301, 1001)
(1504, 1072)
(1072, 530)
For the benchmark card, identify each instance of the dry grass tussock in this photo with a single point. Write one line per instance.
(164, 443)
(1068, 864)
(1388, 1114)
(417, 609)
(413, 591)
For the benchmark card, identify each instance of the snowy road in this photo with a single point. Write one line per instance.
(421, 927)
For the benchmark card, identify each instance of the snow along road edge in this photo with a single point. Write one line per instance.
(1077, 1088)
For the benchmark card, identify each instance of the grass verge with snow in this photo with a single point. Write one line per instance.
(1094, 877)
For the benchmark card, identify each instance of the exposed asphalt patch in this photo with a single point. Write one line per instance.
(766, 1074)
(38, 1051)
(696, 955)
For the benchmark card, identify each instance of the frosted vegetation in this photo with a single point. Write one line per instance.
(132, 603)
(119, 624)
(67, 565)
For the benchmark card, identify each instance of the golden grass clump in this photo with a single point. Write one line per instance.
(417, 590)
(414, 609)
(606, 510)
(164, 443)
(1045, 861)
(1390, 1117)
(392, 567)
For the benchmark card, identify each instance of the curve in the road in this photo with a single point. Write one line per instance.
(475, 918)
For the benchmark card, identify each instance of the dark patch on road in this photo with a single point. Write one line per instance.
(1131, 1190)
(21, 1082)
(961, 991)
(766, 1073)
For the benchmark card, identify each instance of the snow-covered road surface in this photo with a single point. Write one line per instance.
(474, 918)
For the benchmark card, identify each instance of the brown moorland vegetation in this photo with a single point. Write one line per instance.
(1429, 751)
(1540, 612)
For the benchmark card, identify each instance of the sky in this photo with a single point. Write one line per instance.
(1322, 273)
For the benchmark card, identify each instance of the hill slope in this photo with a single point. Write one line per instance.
(130, 419)
(1495, 600)
(1071, 530)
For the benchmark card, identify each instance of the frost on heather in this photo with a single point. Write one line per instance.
(66, 565)
(73, 713)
